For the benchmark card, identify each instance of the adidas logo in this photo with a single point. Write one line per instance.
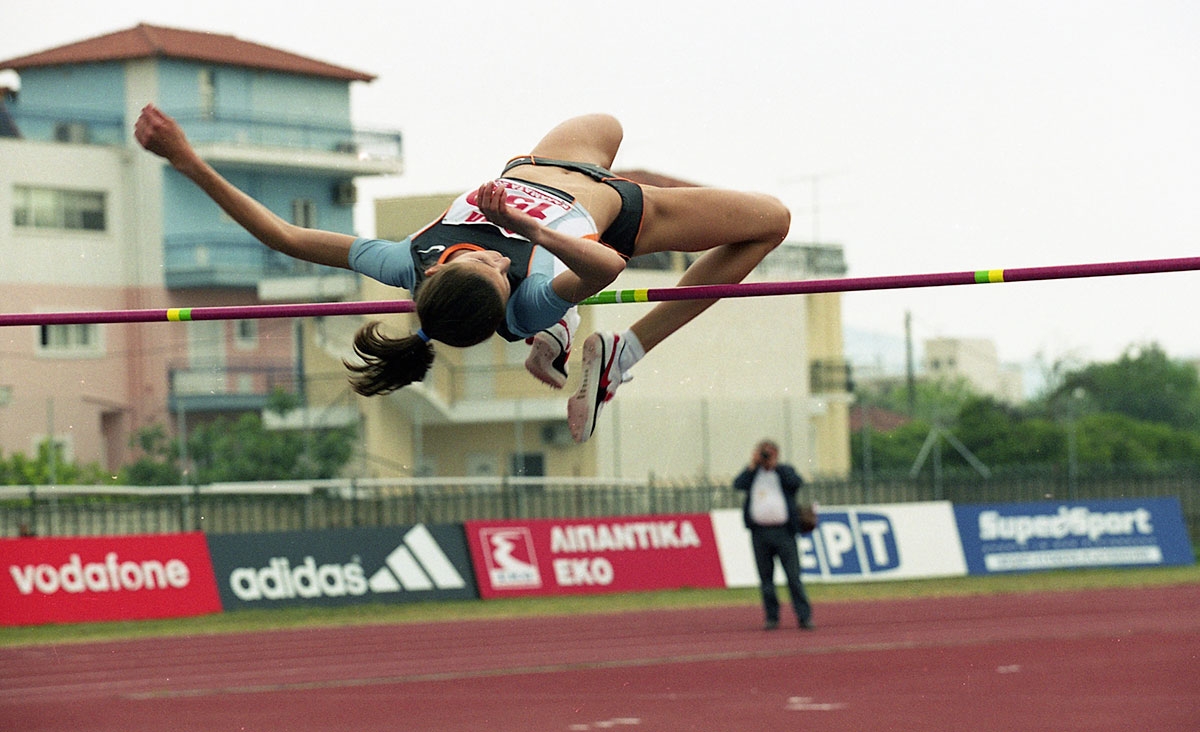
(417, 564)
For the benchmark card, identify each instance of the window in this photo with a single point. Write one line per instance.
(51, 208)
(77, 132)
(208, 93)
(63, 447)
(304, 213)
(78, 339)
(245, 334)
(528, 464)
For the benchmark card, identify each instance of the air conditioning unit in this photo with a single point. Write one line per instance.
(557, 434)
(76, 132)
(345, 193)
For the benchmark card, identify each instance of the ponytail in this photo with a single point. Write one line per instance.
(457, 307)
(387, 363)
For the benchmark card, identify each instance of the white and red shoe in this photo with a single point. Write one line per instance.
(601, 377)
(548, 354)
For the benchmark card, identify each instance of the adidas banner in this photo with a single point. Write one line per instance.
(342, 566)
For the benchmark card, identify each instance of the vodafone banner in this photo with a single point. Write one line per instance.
(587, 556)
(105, 578)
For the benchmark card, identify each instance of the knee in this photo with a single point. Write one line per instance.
(771, 223)
(776, 220)
(604, 130)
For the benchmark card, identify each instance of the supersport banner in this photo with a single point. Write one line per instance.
(105, 578)
(1015, 537)
(588, 556)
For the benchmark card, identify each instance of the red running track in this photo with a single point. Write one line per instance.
(1096, 660)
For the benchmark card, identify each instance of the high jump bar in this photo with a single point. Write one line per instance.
(653, 294)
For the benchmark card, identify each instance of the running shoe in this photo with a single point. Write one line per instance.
(601, 377)
(548, 355)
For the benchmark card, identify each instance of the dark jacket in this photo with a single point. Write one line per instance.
(789, 480)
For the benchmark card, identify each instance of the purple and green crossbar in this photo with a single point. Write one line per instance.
(653, 294)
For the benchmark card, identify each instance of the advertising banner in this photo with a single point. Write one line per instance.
(81, 579)
(342, 566)
(1133, 532)
(855, 544)
(587, 556)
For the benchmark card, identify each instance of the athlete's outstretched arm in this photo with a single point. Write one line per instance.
(591, 265)
(163, 136)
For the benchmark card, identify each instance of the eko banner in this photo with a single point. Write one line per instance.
(586, 556)
(79, 579)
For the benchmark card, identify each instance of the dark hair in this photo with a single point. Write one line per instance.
(455, 306)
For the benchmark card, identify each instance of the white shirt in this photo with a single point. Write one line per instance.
(768, 505)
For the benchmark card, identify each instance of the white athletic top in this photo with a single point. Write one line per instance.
(533, 305)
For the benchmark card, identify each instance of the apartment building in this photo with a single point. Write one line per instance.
(973, 360)
(98, 224)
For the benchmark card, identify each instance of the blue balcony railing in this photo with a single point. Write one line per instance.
(64, 124)
(228, 388)
(292, 132)
(68, 125)
(233, 260)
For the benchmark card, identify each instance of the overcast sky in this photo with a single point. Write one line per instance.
(941, 136)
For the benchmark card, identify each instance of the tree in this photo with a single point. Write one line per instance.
(159, 463)
(1142, 411)
(241, 449)
(231, 449)
(933, 401)
(48, 468)
(999, 434)
(1143, 384)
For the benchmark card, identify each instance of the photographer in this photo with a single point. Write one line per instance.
(772, 517)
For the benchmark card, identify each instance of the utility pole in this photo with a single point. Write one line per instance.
(814, 181)
(910, 375)
(51, 443)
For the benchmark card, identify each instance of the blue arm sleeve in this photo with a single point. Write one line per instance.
(389, 262)
(534, 306)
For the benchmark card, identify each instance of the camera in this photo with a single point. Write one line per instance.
(764, 454)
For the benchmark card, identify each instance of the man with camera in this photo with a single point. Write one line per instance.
(771, 515)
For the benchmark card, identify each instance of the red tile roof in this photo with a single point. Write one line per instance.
(880, 419)
(151, 41)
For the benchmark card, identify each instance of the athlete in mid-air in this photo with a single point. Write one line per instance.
(516, 254)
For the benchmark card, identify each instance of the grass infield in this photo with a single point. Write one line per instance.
(241, 621)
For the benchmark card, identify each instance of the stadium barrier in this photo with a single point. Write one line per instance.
(56, 580)
(233, 508)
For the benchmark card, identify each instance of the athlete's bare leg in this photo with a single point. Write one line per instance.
(737, 230)
(591, 138)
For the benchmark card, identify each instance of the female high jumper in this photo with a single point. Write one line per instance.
(516, 254)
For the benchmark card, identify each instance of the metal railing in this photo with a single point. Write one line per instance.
(285, 506)
(85, 126)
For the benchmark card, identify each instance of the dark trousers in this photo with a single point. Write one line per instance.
(770, 542)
